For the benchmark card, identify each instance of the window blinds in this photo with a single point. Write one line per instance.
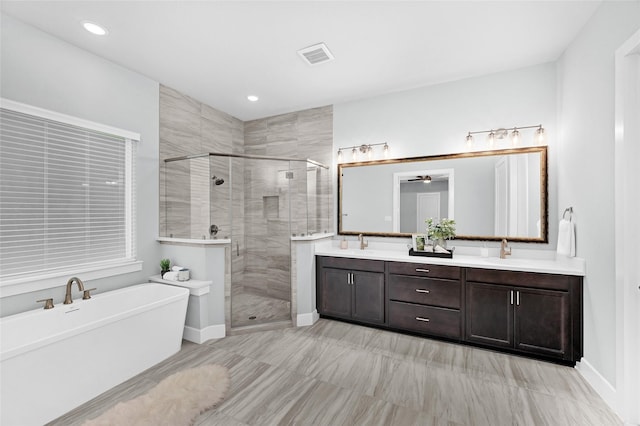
(66, 195)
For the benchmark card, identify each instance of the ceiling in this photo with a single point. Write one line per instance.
(221, 51)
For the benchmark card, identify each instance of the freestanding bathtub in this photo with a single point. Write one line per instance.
(56, 359)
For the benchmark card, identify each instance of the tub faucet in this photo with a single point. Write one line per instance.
(503, 249)
(363, 244)
(67, 296)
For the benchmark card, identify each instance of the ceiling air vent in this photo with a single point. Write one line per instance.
(316, 54)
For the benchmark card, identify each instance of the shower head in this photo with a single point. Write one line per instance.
(217, 180)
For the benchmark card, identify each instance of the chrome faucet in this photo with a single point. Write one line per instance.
(503, 252)
(67, 296)
(363, 244)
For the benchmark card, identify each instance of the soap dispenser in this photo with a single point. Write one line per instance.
(344, 244)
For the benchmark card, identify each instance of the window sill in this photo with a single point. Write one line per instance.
(20, 285)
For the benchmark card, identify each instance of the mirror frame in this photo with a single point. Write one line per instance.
(544, 212)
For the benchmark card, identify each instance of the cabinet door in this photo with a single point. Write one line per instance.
(368, 297)
(335, 293)
(543, 322)
(489, 314)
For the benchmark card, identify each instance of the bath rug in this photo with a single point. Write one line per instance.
(177, 400)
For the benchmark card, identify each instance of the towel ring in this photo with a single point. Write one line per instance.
(570, 210)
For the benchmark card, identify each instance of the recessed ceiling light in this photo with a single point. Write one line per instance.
(252, 98)
(94, 28)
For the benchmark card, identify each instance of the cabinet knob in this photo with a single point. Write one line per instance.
(419, 290)
(422, 319)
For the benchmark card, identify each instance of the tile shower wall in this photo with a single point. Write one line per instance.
(260, 223)
(188, 203)
(302, 134)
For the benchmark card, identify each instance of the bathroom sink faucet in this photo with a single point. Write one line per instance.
(363, 244)
(67, 296)
(503, 249)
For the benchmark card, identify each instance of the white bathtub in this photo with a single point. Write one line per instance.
(53, 360)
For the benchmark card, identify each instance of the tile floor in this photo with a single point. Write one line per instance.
(248, 309)
(334, 373)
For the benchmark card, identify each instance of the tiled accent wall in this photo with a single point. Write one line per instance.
(262, 197)
(302, 134)
(190, 127)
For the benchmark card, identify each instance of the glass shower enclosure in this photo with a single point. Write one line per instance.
(258, 203)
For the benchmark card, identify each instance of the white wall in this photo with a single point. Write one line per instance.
(41, 70)
(586, 117)
(435, 119)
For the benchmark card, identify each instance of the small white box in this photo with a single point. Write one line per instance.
(183, 275)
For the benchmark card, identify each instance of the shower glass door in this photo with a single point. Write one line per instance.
(260, 241)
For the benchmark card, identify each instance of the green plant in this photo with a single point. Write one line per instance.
(165, 264)
(444, 230)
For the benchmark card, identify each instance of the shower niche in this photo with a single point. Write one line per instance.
(258, 203)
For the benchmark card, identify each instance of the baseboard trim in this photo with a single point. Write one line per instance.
(598, 383)
(307, 319)
(201, 335)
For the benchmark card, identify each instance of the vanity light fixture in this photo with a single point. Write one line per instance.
(540, 136)
(385, 150)
(469, 140)
(502, 133)
(363, 150)
(94, 28)
(492, 139)
(515, 137)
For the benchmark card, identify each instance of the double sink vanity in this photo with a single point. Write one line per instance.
(529, 303)
(528, 306)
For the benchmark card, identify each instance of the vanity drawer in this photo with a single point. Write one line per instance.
(425, 270)
(351, 264)
(425, 291)
(425, 319)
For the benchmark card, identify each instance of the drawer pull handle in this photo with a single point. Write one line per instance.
(422, 319)
(419, 290)
(422, 270)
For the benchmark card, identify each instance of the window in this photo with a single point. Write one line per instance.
(66, 194)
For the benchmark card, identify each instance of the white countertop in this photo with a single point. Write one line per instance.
(196, 287)
(193, 241)
(312, 237)
(543, 262)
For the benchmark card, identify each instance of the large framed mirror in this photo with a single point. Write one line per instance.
(491, 195)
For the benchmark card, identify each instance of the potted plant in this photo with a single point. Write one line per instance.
(165, 266)
(440, 232)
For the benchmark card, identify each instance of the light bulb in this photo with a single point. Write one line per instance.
(94, 28)
(492, 139)
(369, 152)
(385, 150)
(469, 140)
(515, 136)
(354, 154)
(540, 136)
(339, 156)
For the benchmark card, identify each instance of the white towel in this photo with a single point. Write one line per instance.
(170, 276)
(566, 238)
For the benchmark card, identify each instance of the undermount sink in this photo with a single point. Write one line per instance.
(507, 260)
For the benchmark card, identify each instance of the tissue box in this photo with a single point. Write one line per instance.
(183, 275)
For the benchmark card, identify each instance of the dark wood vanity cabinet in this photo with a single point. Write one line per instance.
(352, 289)
(425, 299)
(528, 313)
(538, 314)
